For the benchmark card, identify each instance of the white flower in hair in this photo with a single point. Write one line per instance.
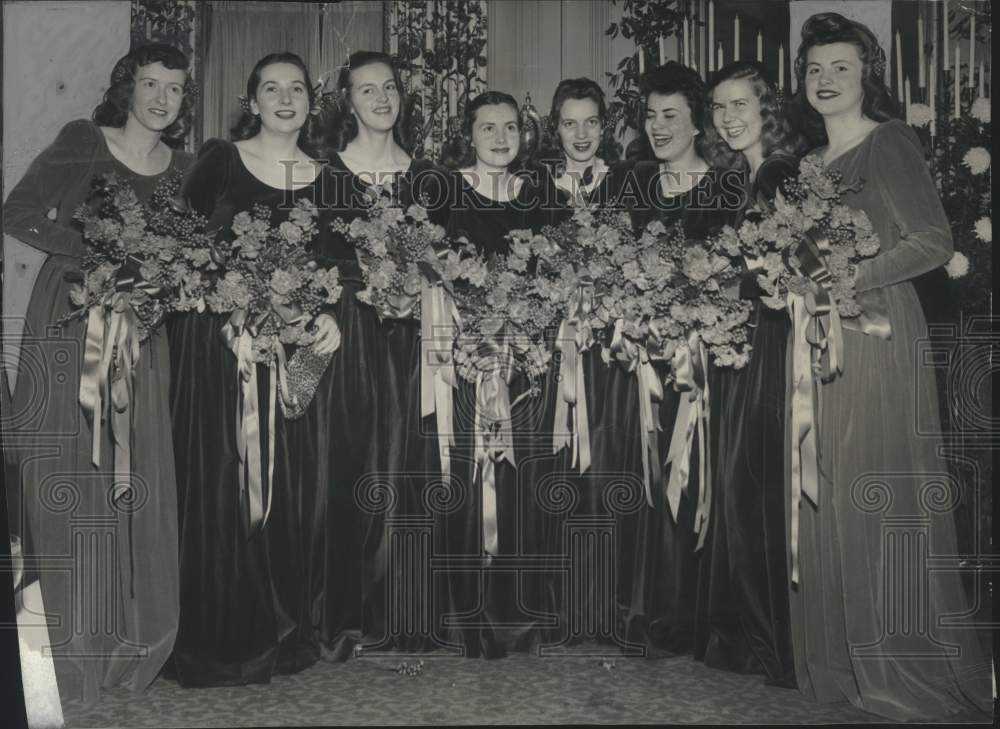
(980, 110)
(958, 266)
(984, 229)
(921, 115)
(977, 160)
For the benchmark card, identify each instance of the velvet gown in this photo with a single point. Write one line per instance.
(243, 594)
(742, 615)
(397, 590)
(598, 589)
(883, 487)
(495, 604)
(135, 604)
(670, 560)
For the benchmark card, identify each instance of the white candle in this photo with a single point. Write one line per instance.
(982, 80)
(429, 34)
(711, 34)
(781, 66)
(907, 99)
(760, 48)
(920, 53)
(957, 84)
(972, 49)
(720, 62)
(736, 38)
(642, 63)
(946, 27)
(663, 55)
(933, 91)
(687, 43)
(899, 68)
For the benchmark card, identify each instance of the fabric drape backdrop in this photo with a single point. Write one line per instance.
(349, 26)
(240, 34)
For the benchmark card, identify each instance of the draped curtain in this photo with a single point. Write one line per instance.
(353, 25)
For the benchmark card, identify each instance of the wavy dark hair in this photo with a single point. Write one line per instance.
(552, 152)
(114, 108)
(311, 135)
(675, 78)
(458, 152)
(342, 126)
(823, 29)
(776, 133)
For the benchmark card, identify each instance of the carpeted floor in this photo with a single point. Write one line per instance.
(520, 689)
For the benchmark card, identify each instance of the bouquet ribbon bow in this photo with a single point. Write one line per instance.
(690, 366)
(575, 337)
(635, 358)
(439, 319)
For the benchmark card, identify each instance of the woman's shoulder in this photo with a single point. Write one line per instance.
(80, 137)
(216, 148)
(894, 132)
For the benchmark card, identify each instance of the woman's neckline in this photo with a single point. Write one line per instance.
(822, 150)
(107, 148)
(520, 190)
(344, 166)
(703, 179)
(239, 156)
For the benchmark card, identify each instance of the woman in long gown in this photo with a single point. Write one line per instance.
(679, 186)
(880, 484)
(743, 592)
(135, 130)
(242, 594)
(383, 454)
(590, 605)
(490, 200)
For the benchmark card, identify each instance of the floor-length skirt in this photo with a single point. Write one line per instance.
(231, 620)
(743, 622)
(108, 566)
(873, 621)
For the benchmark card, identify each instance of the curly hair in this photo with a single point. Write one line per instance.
(458, 152)
(114, 107)
(343, 125)
(248, 125)
(776, 131)
(877, 102)
(675, 78)
(552, 152)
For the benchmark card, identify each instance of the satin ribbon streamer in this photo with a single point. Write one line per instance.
(438, 320)
(817, 354)
(575, 337)
(690, 365)
(494, 438)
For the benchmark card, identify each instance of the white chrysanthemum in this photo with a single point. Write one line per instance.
(921, 115)
(980, 110)
(984, 229)
(977, 160)
(958, 266)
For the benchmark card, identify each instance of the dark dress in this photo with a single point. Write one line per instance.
(242, 594)
(492, 604)
(885, 501)
(401, 465)
(596, 573)
(666, 551)
(64, 499)
(743, 622)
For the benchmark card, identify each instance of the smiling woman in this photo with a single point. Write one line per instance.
(128, 637)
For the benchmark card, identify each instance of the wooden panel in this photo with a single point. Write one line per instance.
(57, 62)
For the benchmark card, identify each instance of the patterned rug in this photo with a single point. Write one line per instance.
(520, 689)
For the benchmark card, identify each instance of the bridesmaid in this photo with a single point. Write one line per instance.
(243, 612)
(368, 407)
(491, 197)
(845, 644)
(587, 172)
(680, 185)
(743, 620)
(135, 131)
